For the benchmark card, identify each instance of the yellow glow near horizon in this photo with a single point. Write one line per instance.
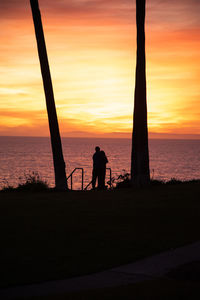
(92, 64)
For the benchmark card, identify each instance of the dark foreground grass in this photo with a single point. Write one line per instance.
(161, 289)
(53, 235)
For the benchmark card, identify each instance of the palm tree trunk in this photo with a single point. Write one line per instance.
(140, 174)
(58, 160)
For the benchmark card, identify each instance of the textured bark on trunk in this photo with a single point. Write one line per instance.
(58, 161)
(140, 174)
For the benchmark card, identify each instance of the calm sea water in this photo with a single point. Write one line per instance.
(178, 159)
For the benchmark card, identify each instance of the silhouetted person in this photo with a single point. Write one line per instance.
(96, 166)
(102, 171)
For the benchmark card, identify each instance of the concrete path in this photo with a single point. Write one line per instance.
(146, 269)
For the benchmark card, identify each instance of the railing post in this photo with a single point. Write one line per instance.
(82, 177)
(110, 175)
(71, 175)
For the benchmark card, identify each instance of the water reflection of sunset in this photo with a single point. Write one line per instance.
(91, 48)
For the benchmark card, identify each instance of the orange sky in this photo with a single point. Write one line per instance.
(91, 48)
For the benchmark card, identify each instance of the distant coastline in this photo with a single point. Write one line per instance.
(159, 136)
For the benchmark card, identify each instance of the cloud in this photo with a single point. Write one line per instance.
(25, 114)
(76, 8)
(183, 12)
(174, 14)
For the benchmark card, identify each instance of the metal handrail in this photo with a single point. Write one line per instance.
(110, 184)
(88, 185)
(72, 175)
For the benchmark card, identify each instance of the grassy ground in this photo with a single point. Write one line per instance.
(162, 289)
(51, 235)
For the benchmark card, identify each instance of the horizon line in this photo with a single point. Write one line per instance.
(156, 136)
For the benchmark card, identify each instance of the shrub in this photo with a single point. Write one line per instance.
(174, 181)
(122, 181)
(33, 182)
(156, 182)
(29, 182)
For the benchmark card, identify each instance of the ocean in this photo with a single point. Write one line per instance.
(20, 156)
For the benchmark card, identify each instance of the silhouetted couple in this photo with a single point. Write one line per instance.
(99, 168)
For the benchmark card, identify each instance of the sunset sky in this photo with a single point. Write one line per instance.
(91, 47)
